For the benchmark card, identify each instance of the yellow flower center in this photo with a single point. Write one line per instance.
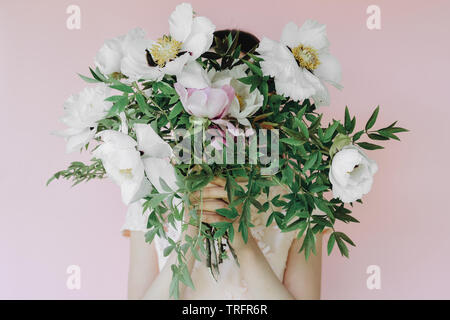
(165, 49)
(306, 57)
(127, 172)
(241, 102)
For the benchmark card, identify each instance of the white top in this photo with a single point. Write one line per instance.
(273, 243)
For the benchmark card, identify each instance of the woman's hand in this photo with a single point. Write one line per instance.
(212, 198)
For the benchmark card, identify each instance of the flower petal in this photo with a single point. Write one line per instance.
(182, 92)
(290, 35)
(217, 103)
(322, 96)
(150, 142)
(78, 141)
(134, 63)
(193, 76)
(200, 38)
(135, 190)
(180, 22)
(329, 70)
(314, 34)
(119, 139)
(196, 104)
(156, 168)
(175, 67)
(298, 86)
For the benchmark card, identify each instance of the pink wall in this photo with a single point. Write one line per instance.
(404, 67)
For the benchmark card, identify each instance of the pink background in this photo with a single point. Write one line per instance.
(403, 67)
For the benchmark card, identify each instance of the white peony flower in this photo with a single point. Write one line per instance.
(301, 62)
(244, 104)
(351, 174)
(82, 111)
(189, 38)
(156, 155)
(109, 57)
(212, 103)
(123, 164)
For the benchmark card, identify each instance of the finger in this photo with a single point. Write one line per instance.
(210, 193)
(218, 181)
(213, 205)
(213, 217)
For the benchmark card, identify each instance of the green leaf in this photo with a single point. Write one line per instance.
(342, 247)
(316, 187)
(89, 80)
(357, 135)
(186, 277)
(157, 198)
(387, 134)
(255, 69)
(298, 224)
(176, 110)
(174, 289)
(150, 235)
(348, 120)
(122, 87)
(345, 238)
(301, 112)
(164, 185)
(322, 205)
(369, 146)
(264, 91)
(228, 213)
(303, 129)
(292, 141)
(393, 129)
(310, 162)
(165, 88)
(375, 136)
(315, 123)
(309, 244)
(330, 131)
(97, 76)
(255, 58)
(243, 230)
(115, 98)
(251, 80)
(331, 242)
(231, 232)
(168, 250)
(143, 105)
(118, 106)
(372, 118)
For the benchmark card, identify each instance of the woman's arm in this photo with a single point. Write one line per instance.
(159, 288)
(145, 281)
(303, 278)
(143, 265)
(262, 282)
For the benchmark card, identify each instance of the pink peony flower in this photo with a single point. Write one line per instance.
(212, 103)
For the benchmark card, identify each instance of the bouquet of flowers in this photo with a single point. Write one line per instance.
(164, 118)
